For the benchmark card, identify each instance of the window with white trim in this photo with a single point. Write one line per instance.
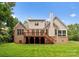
(64, 32)
(42, 32)
(61, 32)
(20, 31)
(37, 31)
(55, 31)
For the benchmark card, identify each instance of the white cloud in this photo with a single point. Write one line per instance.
(73, 15)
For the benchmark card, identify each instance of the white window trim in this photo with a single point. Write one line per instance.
(61, 32)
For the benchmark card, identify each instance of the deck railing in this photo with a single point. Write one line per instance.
(34, 34)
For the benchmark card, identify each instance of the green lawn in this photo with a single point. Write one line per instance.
(45, 50)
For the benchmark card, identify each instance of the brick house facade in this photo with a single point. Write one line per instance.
(41, 31)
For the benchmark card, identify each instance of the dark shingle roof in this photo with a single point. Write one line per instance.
(20, 24)
(36, 19)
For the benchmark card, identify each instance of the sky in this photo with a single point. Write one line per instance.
(67, 12)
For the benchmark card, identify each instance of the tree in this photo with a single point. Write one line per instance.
(11, 25)
(7, 20)
(73, 32)
(5, 12)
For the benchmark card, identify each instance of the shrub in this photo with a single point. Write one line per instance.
(4, 37)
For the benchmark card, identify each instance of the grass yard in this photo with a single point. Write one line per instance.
(39, 50)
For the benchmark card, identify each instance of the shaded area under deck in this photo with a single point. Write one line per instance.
(35, 40)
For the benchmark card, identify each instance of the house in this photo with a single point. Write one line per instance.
(40, 31)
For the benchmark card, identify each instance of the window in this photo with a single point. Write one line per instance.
(36, 24)
(64, 32)
(42, 32)
(17, 31)
(55, 32)
(20, 31)
(33, 32)
(61, 32)
(37, 32)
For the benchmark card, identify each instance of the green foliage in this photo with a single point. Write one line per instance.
(73, 32)
(11, 25)
(4, 37)
(6, 11)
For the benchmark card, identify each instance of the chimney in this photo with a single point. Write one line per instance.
(51, 15)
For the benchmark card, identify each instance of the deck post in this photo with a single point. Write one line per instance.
(39, 40)
(44, 40)
(34, 40)
(29, 39)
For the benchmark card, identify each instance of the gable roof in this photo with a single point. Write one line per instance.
(59, 21)
(20, 24)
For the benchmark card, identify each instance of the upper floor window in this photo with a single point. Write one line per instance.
(20, 31)
(36, 24)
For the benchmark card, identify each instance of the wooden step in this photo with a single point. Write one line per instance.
(49, 38)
